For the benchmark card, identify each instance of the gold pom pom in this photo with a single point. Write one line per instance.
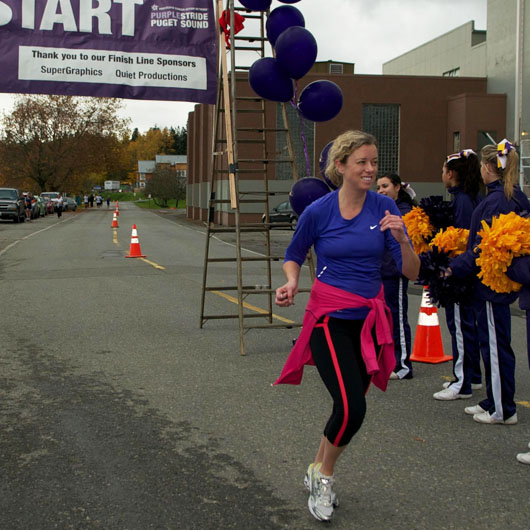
(452, 240)
(419, 229)
(506, 238)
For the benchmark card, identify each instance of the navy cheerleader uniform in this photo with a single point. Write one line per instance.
(461, 318)
(396, 298)
(493, 314)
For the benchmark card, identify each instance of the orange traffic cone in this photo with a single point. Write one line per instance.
(428, 347)
(117, 210)
(134, 248)
(114, 221)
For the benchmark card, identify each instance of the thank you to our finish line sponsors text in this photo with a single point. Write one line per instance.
(111, 67)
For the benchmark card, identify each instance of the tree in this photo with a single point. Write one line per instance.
(57, 142)
(165, 185)
(180, 140)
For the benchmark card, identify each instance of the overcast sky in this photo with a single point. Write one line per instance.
(367, 33)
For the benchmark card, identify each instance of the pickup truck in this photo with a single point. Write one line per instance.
(11, 205)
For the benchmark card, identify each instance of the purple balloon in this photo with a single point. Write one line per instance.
(256, 5)
(320, 100)
(289, 1)
(280, 19)
(268, 80)
(323, 162)
(296, 51)
(305, 191)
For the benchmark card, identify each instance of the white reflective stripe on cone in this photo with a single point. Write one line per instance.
(428, 320)
(134, 240)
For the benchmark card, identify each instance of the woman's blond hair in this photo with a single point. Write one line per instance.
(343, 146)
(509, 176)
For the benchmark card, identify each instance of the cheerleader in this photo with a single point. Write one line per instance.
(500, 172)
(394, 283)
(519, 271)
(462, 179)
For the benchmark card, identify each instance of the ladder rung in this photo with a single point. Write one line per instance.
(248, 98)
(265, 160)
(261, 129)
(241, 170)
(250, 315)
(266, 326)
(252, 258)
(226, 288)
(248, 48)
(249, 39)
(263, 192)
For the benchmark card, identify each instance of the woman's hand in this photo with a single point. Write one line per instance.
(395, 224)
(286, 293)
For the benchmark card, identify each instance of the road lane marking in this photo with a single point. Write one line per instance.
(115, 237)
(155, 265)
(252, 307)
(524, 404)
(31, 235)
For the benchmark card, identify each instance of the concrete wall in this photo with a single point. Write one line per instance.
(462, 48)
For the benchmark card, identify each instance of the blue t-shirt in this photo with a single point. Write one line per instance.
(349, 252)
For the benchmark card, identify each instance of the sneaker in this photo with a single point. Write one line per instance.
(446, 384)
(475, 409)
(447, 394)
(486, 417)
(309, 477)
(524, 458)
(476, 386)
(393, 375)
(319, 502)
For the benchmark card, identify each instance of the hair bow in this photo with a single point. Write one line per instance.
(503, 148)
(465, 153)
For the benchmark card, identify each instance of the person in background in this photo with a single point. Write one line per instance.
(500, 172)
(108, 201)
(394, 283)
(99, 200)
(350, 229)
(462, 179)
(28, 205)
(85, 200)
(59, 205)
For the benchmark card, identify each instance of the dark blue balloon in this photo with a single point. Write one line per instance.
(280, 19)
(320, 100)
(296, 51)
(268, 80)
(323, 162)
(256, 5)
(305, 191)
(289, 1)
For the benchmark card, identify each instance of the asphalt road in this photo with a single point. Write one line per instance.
(118, 412)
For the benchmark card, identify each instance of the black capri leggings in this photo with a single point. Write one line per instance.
(336, 348)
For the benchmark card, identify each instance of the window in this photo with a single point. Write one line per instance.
(297, 126)
(456, 142)
(336, 68)
(383, 122)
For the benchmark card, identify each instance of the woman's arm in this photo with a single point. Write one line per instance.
(286, 293)
(410, 262)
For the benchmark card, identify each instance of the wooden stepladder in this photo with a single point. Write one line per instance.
(251, 141)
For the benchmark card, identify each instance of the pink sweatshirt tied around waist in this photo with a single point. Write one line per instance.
(325, 299)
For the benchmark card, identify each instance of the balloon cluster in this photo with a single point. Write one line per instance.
(275, 79)
(295, 54)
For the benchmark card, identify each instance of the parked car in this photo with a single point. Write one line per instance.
(48, 204)
(11, 205)
(41, 206)
(69, 204)
(52, 195)
(283, 213)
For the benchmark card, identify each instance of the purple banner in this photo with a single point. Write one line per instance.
(137, 49)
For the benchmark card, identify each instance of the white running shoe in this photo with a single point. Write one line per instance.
(394, 376)
(319, 502)
(448, 394)
(446, 384)
(475, 409)
(524, 458)
(486, 417)
(309, 477)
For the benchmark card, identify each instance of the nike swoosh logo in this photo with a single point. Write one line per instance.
(372, 227)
